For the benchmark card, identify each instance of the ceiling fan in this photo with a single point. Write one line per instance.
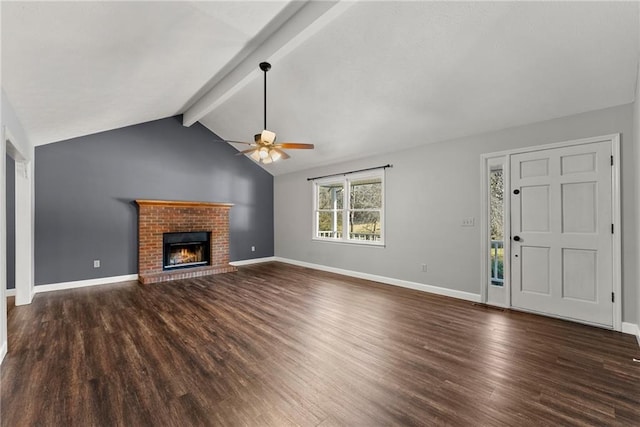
(264, 149)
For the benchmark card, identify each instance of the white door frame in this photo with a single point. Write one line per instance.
(24, 245)
(501, 297)
(489, 159)
(3, 244)
(24, 226)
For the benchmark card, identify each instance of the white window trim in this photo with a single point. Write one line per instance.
(345, 180)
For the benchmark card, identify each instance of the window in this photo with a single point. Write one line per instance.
(496, 223)
(354, 201)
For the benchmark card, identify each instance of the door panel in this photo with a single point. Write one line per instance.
(579, 274)
(561, 211)
(577, 163)
(535, 269)
(533, 168)
(535, 208)
(579, 210)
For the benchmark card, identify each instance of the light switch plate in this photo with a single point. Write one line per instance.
(468, 222)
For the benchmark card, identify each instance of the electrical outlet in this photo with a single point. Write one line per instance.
(468, 222)
(424, 268)
(253, 248)
(96, 263)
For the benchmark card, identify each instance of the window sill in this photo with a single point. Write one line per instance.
(349, 242)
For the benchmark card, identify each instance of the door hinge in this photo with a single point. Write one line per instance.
(611, 160)
(611, 228)
(613, 297)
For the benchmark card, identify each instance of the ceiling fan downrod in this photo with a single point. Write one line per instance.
(265, 66)
(264, 149)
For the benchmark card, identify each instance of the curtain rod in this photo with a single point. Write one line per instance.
(350, 172)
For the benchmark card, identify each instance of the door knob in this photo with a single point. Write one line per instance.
(516, 238)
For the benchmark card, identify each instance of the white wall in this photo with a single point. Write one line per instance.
(429, 191)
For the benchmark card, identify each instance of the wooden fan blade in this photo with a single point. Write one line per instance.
(240, 153)
(295, 145)
(239, 142)
(283, 155)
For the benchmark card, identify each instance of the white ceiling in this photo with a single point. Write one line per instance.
(76, 68)
(371, 78)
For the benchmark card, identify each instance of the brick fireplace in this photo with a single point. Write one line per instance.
(157, 217)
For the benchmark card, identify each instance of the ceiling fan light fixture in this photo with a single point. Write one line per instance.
(268, 136)
(255, 156)
(275, 156)
(263, 153)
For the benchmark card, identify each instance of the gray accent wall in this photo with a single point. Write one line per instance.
(11, 222)
(430, 190)
(85, 190)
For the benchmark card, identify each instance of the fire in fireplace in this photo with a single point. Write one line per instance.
(184, 250)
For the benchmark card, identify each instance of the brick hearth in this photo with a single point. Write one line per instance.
(156, 217)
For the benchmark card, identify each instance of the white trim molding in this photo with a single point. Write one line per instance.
(82, 283)
(499, 296)
(10, 292)
(468, 296)
(252, 261)
(3, 351)
(632, 329)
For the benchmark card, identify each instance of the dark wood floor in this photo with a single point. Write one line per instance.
(281, 345)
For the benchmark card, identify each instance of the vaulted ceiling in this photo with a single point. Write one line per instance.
(353, 78)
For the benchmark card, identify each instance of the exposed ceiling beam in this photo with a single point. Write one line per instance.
(304, 23)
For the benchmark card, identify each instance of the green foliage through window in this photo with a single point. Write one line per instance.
(361, 207)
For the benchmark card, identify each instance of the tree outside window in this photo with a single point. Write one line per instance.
(356, 201)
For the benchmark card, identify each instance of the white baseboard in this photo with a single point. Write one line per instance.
(3, 351)
(10, 292)
(631, 328)
(252, 261)
(82, 283)
(468, 296)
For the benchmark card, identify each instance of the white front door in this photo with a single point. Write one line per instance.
(561, 231)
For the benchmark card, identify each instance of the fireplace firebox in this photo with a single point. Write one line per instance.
(186, 250)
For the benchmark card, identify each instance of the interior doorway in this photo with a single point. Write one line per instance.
(10, 177)
(23, 218)
(24, 227)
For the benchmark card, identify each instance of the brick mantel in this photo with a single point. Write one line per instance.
(156, 217)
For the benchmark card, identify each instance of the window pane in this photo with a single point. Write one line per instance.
(496, 219)
(366, 194)
(330, 224)
(364, 225)
(496, 182)
(330, 196)
(497, 262)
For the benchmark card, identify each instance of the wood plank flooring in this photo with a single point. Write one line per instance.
(279, 345)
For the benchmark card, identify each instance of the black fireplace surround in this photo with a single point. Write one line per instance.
(186, 250)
